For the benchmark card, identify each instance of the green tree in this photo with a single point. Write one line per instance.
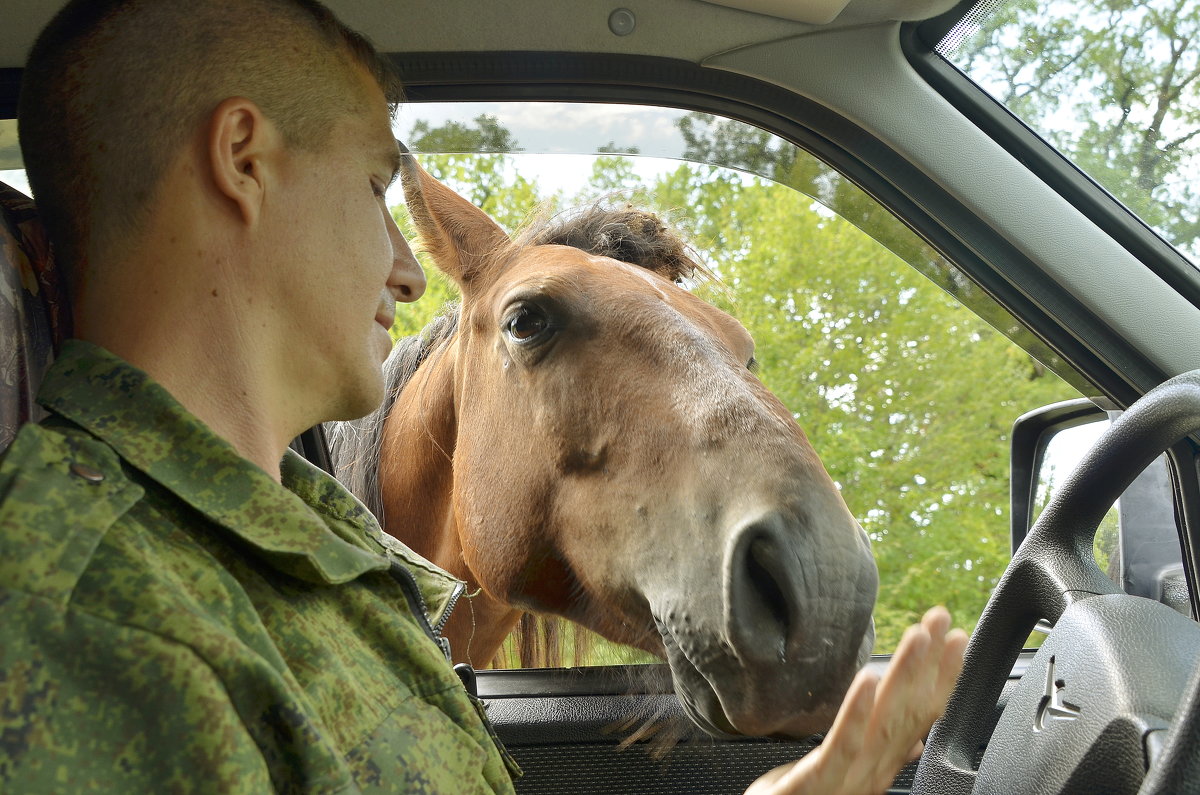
(907, 396)
(459, 157)
(1114, 85)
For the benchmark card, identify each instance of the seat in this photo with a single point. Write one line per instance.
(34, 313)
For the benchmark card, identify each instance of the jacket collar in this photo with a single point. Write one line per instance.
(312, 528)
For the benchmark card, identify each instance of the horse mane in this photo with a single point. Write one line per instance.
(355, 446)
(624, 233)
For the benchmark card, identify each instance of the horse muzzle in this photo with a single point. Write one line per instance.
(792, 630)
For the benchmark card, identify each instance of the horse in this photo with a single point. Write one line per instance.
(584, 438)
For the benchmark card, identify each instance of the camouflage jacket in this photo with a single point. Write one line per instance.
(171, 620)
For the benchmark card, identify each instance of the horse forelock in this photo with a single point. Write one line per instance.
(624, 233)
(356, 446)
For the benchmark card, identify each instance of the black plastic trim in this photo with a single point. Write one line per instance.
(608, 680)
(613, 680)
(1030, 435)
(10, 89)
(1185, 477)
(595, 738)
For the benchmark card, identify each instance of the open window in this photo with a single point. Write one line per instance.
(905, 375)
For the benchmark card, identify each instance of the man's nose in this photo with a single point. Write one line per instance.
(407, 279)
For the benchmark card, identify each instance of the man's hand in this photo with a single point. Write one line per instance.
(882, 723)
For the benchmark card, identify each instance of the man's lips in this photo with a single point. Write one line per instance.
(386, 316)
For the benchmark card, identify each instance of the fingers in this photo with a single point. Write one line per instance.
(914, 690)
(915, 752)
(950, 666)
(846, 736)
(882, 722)
(834, 766)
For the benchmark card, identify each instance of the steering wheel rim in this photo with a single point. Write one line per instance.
(1053, 569)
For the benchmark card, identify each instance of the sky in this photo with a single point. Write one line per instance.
(567, 133)
(560, 127)
(565, 137)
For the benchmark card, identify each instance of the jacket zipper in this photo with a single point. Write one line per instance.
(455, 595)
(416, 603)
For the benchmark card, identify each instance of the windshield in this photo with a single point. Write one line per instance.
(1111, 84)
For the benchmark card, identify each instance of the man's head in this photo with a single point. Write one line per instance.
(114, 89)
(212, 174)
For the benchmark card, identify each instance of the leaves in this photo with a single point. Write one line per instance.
(1115, 86)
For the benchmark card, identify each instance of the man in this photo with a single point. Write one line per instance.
(185, 604)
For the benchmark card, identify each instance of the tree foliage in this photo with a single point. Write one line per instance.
(1114, 85)
(907, 396)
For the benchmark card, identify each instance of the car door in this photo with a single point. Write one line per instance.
(880, 192)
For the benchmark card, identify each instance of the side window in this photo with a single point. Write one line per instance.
(905, 377)
(1112, 86)
(12, 168)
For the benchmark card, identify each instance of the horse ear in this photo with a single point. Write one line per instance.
(459, 236)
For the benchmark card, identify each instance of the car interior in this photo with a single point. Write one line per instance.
(1056, 261)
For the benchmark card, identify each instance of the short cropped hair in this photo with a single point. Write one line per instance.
(113, 89)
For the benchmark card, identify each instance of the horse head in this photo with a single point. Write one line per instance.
(592, 443)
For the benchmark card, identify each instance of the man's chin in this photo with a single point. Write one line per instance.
(386, 342)
(359, 396)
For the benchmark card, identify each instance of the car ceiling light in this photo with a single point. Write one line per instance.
(622, 22)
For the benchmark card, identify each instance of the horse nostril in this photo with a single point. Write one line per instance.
(762, 594)
(761, 559)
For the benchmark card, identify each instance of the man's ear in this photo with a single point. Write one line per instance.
(240, 140)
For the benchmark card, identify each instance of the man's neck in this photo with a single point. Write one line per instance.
(200, 353)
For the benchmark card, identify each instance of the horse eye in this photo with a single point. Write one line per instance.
(526, 324)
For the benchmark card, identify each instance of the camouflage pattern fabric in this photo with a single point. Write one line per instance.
(171, 620)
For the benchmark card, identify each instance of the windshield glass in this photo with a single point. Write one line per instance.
(1111, 84)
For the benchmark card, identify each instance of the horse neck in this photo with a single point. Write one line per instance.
(416, 475)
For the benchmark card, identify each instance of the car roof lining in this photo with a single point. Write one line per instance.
(697, 27)
(824, 12)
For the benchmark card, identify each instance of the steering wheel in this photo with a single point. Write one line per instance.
(1112, 689)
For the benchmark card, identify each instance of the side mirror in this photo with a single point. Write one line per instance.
(1032, 470)
(1138, 543)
